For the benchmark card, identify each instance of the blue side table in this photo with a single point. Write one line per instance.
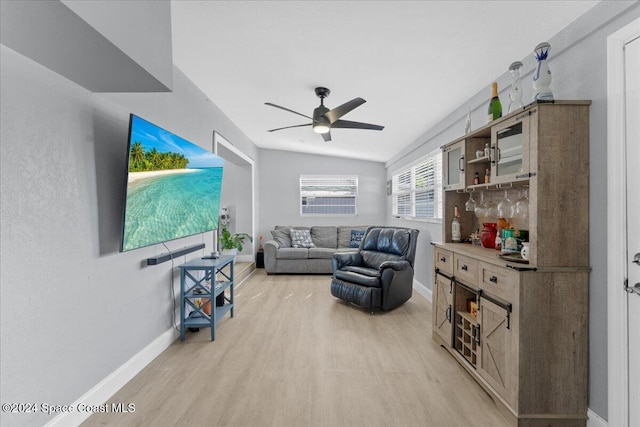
(209, 286)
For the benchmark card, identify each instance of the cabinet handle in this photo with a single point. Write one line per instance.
(464, 268)
(526, 175)
(493, 279)
(443, 259)
(461, 164)
(448, 313)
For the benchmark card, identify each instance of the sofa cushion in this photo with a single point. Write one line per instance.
(356, 238)
(292, 253)
(344, 234)
(282, 236)
(344, 250)
(325, 236)
(301, 238)
(321, 253)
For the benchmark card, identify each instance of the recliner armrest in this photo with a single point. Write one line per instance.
(396, 265)
(342, 259)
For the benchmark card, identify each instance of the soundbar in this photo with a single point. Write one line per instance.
(173, 254)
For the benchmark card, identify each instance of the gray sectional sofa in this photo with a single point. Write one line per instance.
(280, 255)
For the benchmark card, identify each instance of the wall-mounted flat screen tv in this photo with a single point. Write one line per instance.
(173, 187)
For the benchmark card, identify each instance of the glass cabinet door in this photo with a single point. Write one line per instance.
(454, 166)
(510, 150)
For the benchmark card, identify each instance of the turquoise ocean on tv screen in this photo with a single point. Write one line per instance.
(168, 207)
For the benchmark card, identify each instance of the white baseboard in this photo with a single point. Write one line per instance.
(422, 290)
(594, 420)
(106, 388)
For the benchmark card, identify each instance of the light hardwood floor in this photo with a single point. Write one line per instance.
(294, 355)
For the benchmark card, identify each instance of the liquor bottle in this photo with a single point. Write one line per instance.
(487, 177)
(495, 107)
(455, 226)
(476, 179)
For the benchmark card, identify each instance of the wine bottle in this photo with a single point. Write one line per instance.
(456, 236)
(495, 107)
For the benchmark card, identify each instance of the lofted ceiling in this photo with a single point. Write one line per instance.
(414, 62)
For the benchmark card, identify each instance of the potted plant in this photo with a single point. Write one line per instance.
(232, 243)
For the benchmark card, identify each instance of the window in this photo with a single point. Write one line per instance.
(417, 190)
(328, 195)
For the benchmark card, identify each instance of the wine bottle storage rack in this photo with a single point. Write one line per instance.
(465, 337)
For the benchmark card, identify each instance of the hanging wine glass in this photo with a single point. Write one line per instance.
(470, 206)
(522, 210)
(481, 208)
(505, 207)
(492, 211)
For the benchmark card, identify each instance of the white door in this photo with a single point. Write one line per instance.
(623, 230)
(632, 123)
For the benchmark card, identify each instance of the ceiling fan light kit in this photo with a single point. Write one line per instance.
(321, 125)
(324, 119)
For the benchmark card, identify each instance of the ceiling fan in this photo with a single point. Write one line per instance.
(324, 120)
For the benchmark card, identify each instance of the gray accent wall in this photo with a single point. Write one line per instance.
(52, 34)
(279, 189)
(578, 63)
(73, 309)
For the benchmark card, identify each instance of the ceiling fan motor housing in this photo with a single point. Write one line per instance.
(319, 113)
(322, 92)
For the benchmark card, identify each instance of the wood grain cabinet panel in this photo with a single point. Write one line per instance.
(442, 307)
(465, 269)
(444, 260)
(498, 351)
(498, 281)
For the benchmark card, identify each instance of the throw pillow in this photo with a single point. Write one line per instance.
(282, 237)
(301, 239)
(356, 238)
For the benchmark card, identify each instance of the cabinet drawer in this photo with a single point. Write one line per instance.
(498, 281)
(465, 269)
(444, 260)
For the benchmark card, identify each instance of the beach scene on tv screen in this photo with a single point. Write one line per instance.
(173, 187)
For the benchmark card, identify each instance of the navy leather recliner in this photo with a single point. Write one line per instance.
(380, 273)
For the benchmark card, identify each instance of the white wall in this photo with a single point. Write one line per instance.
(578, 65)
(73, 309)
(279, 189)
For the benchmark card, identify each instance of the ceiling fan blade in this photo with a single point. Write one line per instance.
(286, 109)
(346, 124)
(340, 111)
(326, 136)
(289, 127)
